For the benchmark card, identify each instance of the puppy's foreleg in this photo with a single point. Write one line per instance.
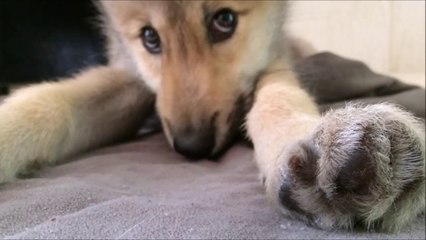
(360, 164)
(282, 114)
(47, 122)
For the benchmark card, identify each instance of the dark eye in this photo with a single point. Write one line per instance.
(222, 25)
(151, 40)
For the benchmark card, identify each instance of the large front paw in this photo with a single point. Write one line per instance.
(362, 165)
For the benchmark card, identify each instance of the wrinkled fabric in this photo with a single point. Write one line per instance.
(334, 81)
(143, 189)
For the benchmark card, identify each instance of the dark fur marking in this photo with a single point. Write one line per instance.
(285, 197)
(304, 166)
(244, 103)
(357, 174)
(242, 106)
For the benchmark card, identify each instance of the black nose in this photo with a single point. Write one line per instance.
(195, 143)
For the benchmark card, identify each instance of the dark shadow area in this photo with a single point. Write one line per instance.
(45, 40)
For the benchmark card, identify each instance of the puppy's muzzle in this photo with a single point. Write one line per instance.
(195, 142)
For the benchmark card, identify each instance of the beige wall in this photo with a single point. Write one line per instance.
(388, 35)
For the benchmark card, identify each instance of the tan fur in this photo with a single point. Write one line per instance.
(195, 81)
(51, 121)
(282, 113)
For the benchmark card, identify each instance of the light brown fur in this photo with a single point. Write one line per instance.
(247, 78)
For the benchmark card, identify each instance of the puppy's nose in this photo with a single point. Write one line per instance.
(195, 143)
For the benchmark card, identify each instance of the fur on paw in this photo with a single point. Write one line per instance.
(361, 166)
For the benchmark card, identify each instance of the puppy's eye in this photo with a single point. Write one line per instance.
(222, 25)
(151, 40)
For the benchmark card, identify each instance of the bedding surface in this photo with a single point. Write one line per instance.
(142, 189)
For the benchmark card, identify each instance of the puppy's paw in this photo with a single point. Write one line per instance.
(29, 134)
(17, 143)
(361, 166)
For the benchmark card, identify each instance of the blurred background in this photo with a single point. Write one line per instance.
(387, 35)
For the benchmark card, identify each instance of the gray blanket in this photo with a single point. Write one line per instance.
(142, 189)
(334, 81)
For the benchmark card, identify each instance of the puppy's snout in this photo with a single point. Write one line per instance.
(195, 143)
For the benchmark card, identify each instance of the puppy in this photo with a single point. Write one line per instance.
(210, 69)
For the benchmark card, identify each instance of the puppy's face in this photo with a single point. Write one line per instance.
(202, 58)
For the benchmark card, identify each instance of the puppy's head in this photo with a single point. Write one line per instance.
(202, 58)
